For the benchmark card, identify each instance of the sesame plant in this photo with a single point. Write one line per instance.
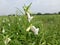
(30, 30)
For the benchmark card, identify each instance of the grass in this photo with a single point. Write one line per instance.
(49, 30)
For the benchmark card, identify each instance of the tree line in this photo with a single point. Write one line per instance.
(39, 14)
(46, 13)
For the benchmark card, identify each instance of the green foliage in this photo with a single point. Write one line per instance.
(26, 8)
(15, 27)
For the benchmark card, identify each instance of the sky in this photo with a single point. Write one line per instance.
(43, 6)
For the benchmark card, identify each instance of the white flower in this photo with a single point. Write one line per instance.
(6, 39)
(3, 21)
(35, 30)
(29, 17)
(19, 19)
(3, 31)
(17, 33)
(28, 28)
(9, 24)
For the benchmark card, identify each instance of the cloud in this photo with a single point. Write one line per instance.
(8, 6)
(46, 6)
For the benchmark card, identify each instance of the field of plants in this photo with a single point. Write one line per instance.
(13, 30)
